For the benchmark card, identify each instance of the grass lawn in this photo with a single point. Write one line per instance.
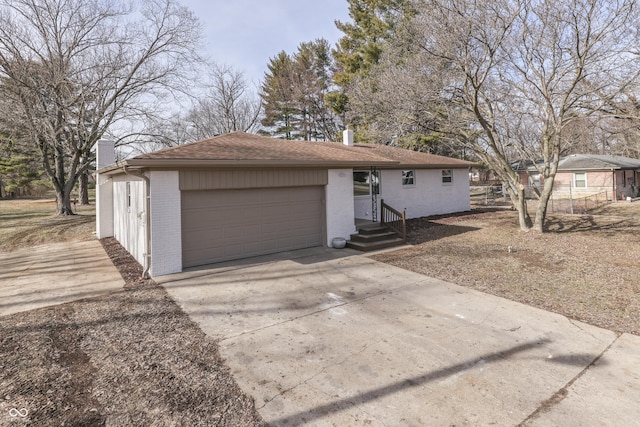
(29, 222)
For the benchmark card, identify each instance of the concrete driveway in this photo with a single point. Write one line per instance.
(334, 338)
(54, 274)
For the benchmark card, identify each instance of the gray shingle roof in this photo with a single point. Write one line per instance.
(407, 158)
(597, 162)
(585, 162)
(240, 149)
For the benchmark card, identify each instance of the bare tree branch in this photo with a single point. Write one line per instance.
(506, 79)
(75, 68)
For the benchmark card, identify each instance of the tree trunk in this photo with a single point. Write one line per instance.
(83, 189)
(515, 189)
(545, 196)
(63, 198)
(63, 201)
(520, 203)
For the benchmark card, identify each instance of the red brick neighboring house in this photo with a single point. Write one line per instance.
(587, 174)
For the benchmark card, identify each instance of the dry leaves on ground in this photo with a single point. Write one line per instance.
(130, 358)
(584, 267)
(30, 222)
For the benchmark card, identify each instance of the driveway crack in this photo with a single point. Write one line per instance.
(302, 316)
(312, 377)
(585, 330)
(559, 395)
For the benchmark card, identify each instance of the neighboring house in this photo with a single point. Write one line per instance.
(240, 195)
(587, 174)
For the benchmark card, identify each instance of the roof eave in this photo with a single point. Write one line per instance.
(201, 163)
(599, 168)
(208, 163)
(428, 166)
(113, 168)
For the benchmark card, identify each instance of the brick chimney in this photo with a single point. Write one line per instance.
(347, 137)
(105, 153)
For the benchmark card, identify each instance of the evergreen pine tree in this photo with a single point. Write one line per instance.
(294, 93)
(278, 97)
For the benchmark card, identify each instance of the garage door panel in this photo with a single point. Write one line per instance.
(219, 225)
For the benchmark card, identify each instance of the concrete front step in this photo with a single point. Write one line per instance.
(372, 229)
(374, 236)
(373, 246)
(383, 234)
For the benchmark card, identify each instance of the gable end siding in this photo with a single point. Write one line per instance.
(227, 179)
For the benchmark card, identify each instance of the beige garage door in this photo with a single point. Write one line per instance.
(221, 225)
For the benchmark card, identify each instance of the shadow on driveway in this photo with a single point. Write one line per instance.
(340, 339)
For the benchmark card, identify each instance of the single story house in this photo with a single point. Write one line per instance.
(588, 174)
(240, 195)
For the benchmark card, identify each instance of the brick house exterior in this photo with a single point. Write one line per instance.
(240, 195)
(588, 174)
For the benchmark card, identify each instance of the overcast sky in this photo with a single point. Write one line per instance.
(244, 34)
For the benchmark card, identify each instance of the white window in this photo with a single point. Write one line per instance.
(580, 180)
(447, 176)
(128, 194)
(366, 183)
(408, 178)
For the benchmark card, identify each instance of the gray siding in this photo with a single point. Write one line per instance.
(226, 179)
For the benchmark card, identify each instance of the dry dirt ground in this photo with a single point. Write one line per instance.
(29, 222)
(131, 358)
(134, 358)
(585, 267)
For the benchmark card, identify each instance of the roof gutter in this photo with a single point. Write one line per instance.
(252, 163)
(147, 228)
(224, 164)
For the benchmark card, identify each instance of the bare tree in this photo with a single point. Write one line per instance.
(619, 122)
(227, 106)
(75, 69)
(507, 78)
(221, 102)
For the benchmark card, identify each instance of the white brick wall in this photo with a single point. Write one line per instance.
(429, 196)
(104, 206)
(105, 153)
(339, 204)
(166, 224)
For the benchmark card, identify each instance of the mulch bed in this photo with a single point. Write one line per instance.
(129, 358)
